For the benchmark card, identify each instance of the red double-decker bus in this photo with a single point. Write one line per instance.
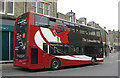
(46, 42)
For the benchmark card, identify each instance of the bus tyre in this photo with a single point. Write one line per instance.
(93, 61)
(55, 64)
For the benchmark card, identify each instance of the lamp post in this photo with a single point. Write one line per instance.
(105, 41)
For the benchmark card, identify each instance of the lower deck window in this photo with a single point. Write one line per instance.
(45, 48)
(65, 49)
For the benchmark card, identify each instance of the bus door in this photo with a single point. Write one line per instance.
(45, 55)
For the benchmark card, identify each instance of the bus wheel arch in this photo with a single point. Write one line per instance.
(55, 63)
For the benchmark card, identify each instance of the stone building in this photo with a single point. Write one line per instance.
(114, 37)
(72, 16)
(13, 8)
(63, 16)
(9, 10)
(78, 21)
(82, 20)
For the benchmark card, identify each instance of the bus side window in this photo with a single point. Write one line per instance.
(97, 33)
(82, 31)
(51, 49)
(77, 29)
(87, 32)
(56, 49)
(41, 21)
(69, 28)
(92, 33)
(76, 50)
(45, 48)
(73, 29)
(61, 47)
(71, 50)
(66, 49)
(82, 51)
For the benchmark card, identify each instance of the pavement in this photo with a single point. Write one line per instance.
(8, 61)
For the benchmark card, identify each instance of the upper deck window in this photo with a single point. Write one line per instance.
(52, 21)
(71, 24)
(82, 31)
(40, 20)
(97, 33)
(22, 20)
(92, 33)
(66, 23)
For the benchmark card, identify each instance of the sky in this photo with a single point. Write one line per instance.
(103, 12)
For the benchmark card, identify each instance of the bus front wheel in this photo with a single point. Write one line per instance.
(55, 64)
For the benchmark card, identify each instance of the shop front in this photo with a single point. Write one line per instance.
(6, 39)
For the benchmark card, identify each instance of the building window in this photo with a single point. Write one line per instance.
(34, 6)
(2, 6)
(47, 9)
(10, 7)
(41, 7)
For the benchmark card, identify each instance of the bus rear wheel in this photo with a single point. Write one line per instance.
(55, 64)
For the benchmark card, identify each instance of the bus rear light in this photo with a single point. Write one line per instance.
(100, 38)
(23, 35)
